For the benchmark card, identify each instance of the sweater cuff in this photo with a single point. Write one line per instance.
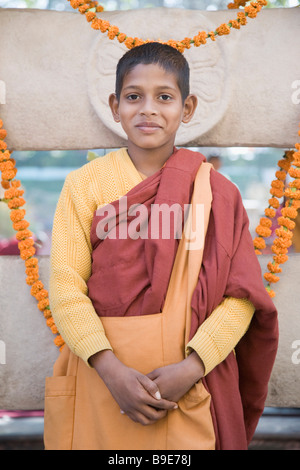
(90, 345)
(207, 350)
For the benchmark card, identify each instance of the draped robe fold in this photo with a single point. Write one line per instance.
(140, 270)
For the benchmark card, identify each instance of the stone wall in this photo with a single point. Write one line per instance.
(56, 73)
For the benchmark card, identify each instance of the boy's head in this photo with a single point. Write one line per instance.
(152, 96)
(165, 56)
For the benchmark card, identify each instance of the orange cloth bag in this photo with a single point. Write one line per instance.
(80, 412)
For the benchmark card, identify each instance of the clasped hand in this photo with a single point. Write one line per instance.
(147, 398)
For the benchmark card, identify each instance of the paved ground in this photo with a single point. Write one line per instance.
(278, 429)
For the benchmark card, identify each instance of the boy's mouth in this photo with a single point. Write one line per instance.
(148, 126)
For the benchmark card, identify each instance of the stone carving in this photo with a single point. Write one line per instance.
(210, 71)
(52, 102)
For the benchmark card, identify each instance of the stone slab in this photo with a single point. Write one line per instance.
(56, 73)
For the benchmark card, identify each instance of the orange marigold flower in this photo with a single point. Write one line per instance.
(7, 165)
(290, 212)
(16, 202)
(284, 164)
(212, 36)
(36, 287)
(21, 225)
(5, 184)
(294, 172)
(138, 42)
(4, 156)
(13, 192)
(3, 134)
(273, 202)
(17, 214)
(292, 194)
(99, 8)
(30, 280)
(200, 38)
(25, 244)
(251, 11)
(282, 242)
(96, 23)
(263, 231)
(43, 304)
(257, 252)
(186, 42)
(47, 313)
(295, 184)
(129, 42)
(31, 262)
(278, 250)
(281, 175)
(259, 243)
(284, 233)
(296, 156)
(270, 277)
(58, 341)
(274, 267)
(121, 37)
(277, 192)
(83, 8)
(271, 293)
(265, 222)
(42, 294)
(90, 15)
(22, 234)
(104, 25)
(235, 24)
(223, 29)
(9, 174)
(16, 183)
(280, 259)
(32, 271)
(3, 145)
(286, 222)
(25, 254)
(232, 6)
(242, 18)
(112, 32)
(277, 184)
(75, 3)
(270, 212)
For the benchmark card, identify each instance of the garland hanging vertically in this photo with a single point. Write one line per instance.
(289, 165)
(13, 197)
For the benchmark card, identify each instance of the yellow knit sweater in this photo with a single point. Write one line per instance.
(97, 183)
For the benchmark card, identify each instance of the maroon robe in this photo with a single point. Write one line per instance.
(139, 271)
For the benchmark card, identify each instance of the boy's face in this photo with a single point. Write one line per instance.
(150, 108)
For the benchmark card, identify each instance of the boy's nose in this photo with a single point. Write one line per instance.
(148, 107)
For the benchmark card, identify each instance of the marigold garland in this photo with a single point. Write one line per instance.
(288, 165)
(90, 10)
(13, 197)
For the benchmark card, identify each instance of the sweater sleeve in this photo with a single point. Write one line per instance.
(72, 310)
(221, 331)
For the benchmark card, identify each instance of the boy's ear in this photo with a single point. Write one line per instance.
(189, 108)
(114, 106)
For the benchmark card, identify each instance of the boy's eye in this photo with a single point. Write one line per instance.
(165, 97)
(132, 97)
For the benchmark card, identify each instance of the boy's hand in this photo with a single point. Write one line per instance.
(175, 380)
(136, 394)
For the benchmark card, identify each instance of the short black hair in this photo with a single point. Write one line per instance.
(169, 58)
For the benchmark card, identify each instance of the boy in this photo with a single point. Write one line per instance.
(141, 375)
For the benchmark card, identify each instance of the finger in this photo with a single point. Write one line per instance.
(165, 404)
(150, 386)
